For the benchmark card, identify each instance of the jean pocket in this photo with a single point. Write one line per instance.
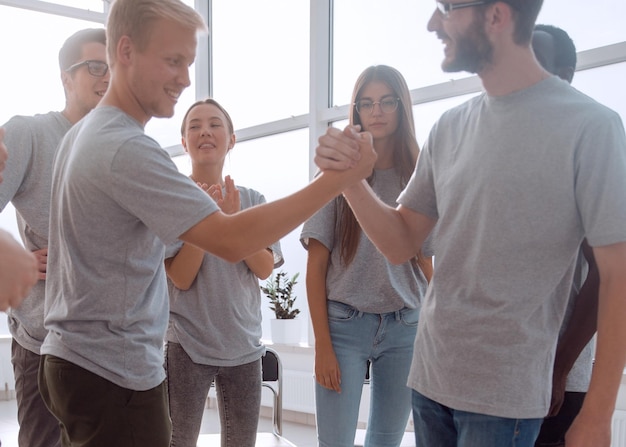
(340, 312)
(410, 317)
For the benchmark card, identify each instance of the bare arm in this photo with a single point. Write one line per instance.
(261, 263)
(580, 329)
(183, 267)
(592, 426)
(18, 271)
(327, 372)
(397, 232)
(237, 236)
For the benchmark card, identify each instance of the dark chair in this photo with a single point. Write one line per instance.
(273, 380)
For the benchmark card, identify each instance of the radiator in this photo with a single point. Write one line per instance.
(619, 429)
(298, 391)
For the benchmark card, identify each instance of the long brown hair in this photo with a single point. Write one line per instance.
(405, 155)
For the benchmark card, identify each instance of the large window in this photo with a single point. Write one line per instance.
(30, 80)
(371, 32)
(260, 59)
(260, 69)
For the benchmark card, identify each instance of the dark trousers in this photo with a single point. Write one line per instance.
(38, 427)
(553, 429)
(94, 412)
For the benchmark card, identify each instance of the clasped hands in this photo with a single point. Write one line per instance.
(348, 149)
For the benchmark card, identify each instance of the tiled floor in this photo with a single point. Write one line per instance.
(299, 434)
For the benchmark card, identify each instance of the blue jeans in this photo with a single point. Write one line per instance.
(238, 398)
(439, 426)
(387, 341)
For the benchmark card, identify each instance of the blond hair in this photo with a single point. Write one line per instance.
(135, 19)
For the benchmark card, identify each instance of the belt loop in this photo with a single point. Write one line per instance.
(397, 315)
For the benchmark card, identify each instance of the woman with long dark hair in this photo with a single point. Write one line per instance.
(363, 308)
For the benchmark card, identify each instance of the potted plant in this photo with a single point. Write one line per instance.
(279, 290)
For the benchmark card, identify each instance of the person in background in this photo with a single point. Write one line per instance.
(32, 143)
(117, 201)
(214, 332)
(18, 267)
(363, 308)
(514, 179)
(556, 52)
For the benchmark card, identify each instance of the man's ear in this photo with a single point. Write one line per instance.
(66, 80)
(499, 16)
(125, 49)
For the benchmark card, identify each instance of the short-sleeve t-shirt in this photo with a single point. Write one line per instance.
(32, 142)
(218, 319)
(117, 199)
(515, 182)
(370, 283)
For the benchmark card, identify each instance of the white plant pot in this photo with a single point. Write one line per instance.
(285, 331)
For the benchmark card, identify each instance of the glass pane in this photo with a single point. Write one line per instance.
(602, 23)
(275, 166)
(90, 5)
(604, 84)
(261, 59)
(371, 32)
(33, 85)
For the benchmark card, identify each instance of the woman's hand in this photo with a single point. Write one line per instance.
(327, 372)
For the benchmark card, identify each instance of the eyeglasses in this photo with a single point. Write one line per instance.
(95, 68)
(445, 7)
(366, 106)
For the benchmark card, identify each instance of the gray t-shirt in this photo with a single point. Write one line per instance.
(370, 283)
(218, 320)
(515, 182)
(32, 142)
(117, 198)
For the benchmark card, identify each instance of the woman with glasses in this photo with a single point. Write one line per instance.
(215, 306)
(364, 309)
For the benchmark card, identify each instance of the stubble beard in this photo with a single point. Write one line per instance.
(473, 51)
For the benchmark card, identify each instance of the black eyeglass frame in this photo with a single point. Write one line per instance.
(445, 7)
(397, 100)
(89, 63)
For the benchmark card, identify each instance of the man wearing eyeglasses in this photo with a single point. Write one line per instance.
(32, 142)
(514, 179)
